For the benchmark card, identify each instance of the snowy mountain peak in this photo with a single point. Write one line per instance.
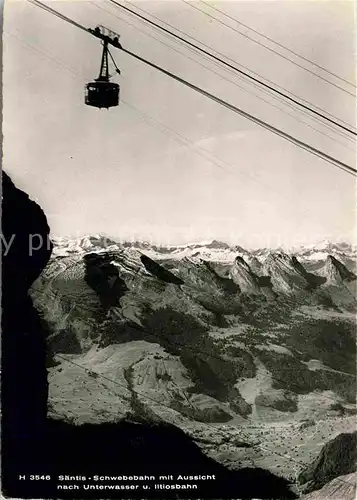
(216, 244)
(212, 250)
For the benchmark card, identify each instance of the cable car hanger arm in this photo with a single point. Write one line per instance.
(113, 61)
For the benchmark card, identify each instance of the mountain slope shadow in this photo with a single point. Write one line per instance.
(103, 277)
(159, 271)
(33, 444)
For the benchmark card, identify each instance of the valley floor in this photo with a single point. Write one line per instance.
(83, 389)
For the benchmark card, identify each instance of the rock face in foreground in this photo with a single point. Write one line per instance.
(24, 377)
(340, 488)
(337, 458)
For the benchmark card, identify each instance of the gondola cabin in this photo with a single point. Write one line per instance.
(102, 94)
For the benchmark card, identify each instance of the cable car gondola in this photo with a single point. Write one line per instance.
(102, 93)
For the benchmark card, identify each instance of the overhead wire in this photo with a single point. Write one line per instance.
(307, 147)
(187, 35)
(328, 158)
(155, 123)
(208, 155)
(65, 18)
(278, 98)
(66, 67)
(281, 100)
(58, 14)
(190, 4)
(235, 68)
(237, 85)
(98, 375)
(277, 43)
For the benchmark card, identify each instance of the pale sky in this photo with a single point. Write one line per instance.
(147, 172)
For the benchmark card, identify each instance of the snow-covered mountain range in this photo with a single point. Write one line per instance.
(212, 250)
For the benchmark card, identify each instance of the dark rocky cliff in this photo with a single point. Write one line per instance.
(25, 252)
(338, 457)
